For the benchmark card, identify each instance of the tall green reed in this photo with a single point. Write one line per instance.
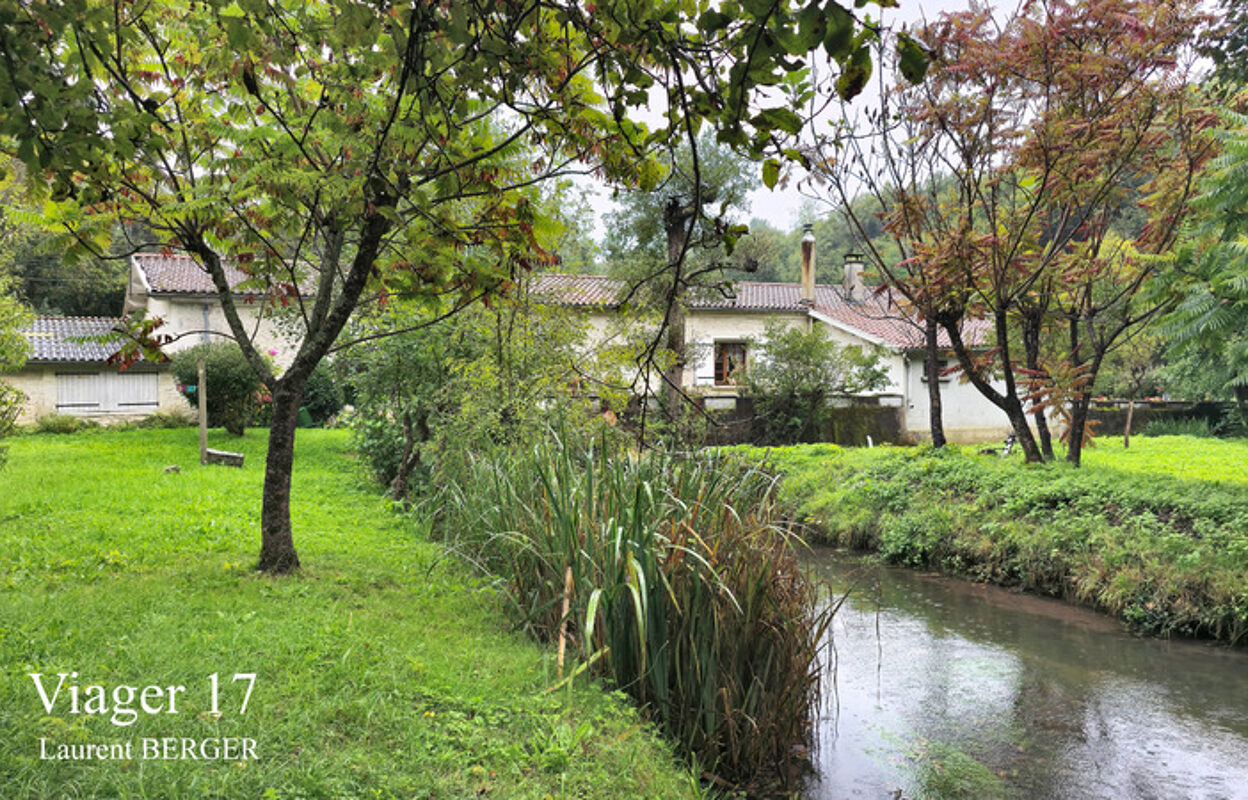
(686, 594)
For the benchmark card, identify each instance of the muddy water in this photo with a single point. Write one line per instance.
(941, 688)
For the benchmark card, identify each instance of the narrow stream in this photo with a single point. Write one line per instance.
(942, 688)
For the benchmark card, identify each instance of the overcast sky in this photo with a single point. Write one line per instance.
(781, 207)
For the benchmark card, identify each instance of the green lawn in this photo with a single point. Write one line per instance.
(1184, 457)
(384, 669)
(1157, 534)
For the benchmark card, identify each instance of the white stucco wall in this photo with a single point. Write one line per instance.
(38, 383)
(966, 414)
(184, 314)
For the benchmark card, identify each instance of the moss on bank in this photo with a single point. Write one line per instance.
(1168, 554)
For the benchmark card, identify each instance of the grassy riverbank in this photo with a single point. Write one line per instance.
(382, 670)
(1157, 534)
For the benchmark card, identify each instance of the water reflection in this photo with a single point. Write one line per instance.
(935, 683)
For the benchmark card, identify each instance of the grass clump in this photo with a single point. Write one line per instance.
(63, 423)
(382, 668)
(166, 419)
(1167, 554)
(683, 592)
(1193, 426)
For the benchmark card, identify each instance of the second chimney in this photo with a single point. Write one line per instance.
(855, 291)
(808, 267)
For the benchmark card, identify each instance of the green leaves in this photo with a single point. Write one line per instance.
(854, 74)
(712, 21)
(771, 173)
(912, 59)
(780, 119)
(839, 31)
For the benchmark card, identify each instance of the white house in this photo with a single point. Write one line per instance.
(175, 288)
(721, 329)
(63, 375)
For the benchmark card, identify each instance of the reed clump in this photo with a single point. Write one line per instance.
(684, 591)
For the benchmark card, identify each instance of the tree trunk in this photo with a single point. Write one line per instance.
(1083, 399)
(1022, 431)
(931, 366)
(1042, 431)
(414, 437)
(675, 217)
(1008, 401)
(1031, 347)
(1078, 424)
(1241, 398)
(277, 544)
(330, 312)
(675, 373)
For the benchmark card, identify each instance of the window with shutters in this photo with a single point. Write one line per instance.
(729, 363)
(79, 392)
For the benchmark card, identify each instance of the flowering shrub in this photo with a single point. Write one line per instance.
(234, 392)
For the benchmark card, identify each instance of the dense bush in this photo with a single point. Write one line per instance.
(684, 592)
(1167, 555)
(483, 378)
(11, 400)
(233, 388)
(798, 373)
(321, 396)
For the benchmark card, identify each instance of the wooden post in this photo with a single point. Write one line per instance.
(201, 394)
(1126, 431)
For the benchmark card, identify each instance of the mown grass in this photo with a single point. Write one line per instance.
(1157, 534)
(384, 668)
(1187, 458)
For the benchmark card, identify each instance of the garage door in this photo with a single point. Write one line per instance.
(106, 392)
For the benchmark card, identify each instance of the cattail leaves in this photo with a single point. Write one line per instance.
(686, 594)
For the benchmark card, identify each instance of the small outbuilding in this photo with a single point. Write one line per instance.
(66, 375)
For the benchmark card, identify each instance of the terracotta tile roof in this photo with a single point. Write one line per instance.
(581, 291)
(880, 316)
(178, 273)
(875, 315)
(48, 337)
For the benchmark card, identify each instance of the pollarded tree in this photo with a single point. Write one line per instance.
(682, 221)
(339, 151)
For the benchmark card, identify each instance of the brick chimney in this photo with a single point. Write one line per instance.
(808, 267)
(855, 290)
